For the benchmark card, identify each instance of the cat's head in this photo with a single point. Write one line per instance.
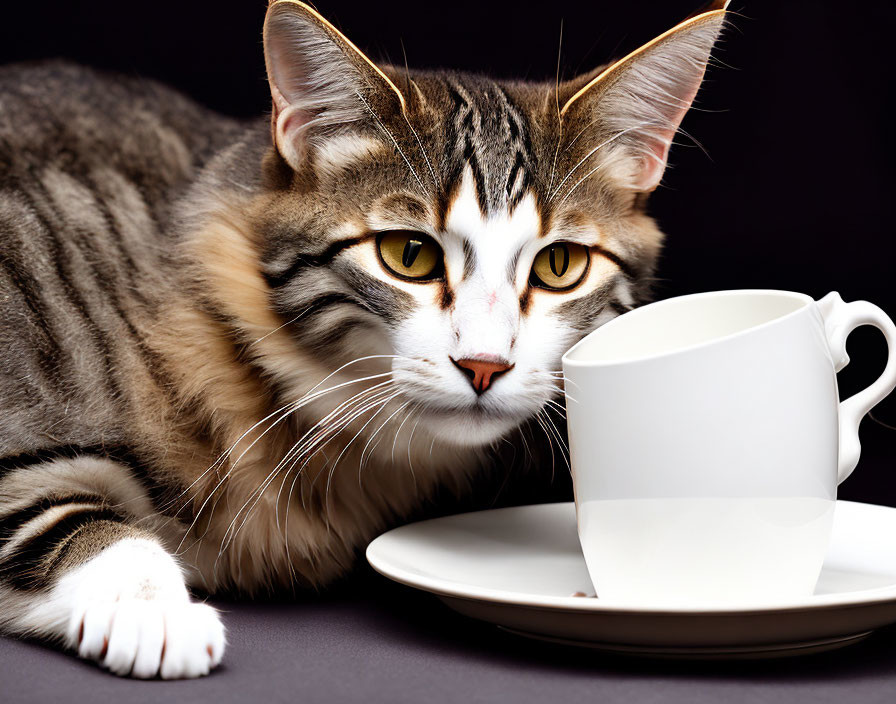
(475, 229)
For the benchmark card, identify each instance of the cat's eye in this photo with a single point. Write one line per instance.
(410, 255)
(559, 266)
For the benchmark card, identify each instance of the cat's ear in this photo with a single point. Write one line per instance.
(321, 83)
(637, 103)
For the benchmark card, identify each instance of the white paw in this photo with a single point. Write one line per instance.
(149, 637)
(129, 610)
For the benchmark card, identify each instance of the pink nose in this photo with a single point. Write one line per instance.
(481, 373)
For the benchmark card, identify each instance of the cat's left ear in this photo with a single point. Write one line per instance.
(321, 84)
(636, 104)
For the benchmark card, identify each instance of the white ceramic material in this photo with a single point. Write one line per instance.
(707, 441)
(518, 568)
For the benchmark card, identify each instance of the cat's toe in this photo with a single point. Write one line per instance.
(142, 638)
(150, 643)
(93, 630)
(124, 637)
(194, 642)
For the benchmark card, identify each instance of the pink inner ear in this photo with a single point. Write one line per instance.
(658, 141)
(652, 165)
(293, 121)
(286, 122)
(288, 126)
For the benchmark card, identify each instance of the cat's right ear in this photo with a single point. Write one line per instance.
(321, 84)
(634, 106)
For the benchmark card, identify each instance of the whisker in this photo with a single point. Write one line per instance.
(432, 172)
(541, 425)
(526, 444)
(557, 407)
(589, 155)
(394, 142)
(257, 494)
(556, 433)
(325, 434)
(291, 409)
(397, 432)
(332, 471)
(308, 396)
(559, 115)
(286, 474)
(410, 461)
(287, 323)
(320, 425)
(375, 433)
(319, 441)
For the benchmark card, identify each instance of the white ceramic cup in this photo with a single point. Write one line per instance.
(707, 441)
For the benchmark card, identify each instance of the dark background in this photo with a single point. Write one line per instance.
(791, 189)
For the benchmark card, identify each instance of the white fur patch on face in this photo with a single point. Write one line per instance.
(487, 261)
(494, 239)
(483, 322)
(486, 312)
(340, 152)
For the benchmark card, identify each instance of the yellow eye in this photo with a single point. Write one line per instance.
(410, 255)
(560, 266)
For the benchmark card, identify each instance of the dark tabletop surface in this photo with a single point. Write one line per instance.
(374, 641)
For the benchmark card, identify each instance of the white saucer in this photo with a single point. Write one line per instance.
(519, 567)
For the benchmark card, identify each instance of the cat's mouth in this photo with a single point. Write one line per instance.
(472, 425)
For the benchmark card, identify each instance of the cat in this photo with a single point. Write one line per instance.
(231, 353)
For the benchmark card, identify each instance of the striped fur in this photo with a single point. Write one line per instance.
(209, 377)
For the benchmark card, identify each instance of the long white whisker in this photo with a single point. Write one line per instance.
(589, 155)
(277, 329)
(257, 495)
(526, 444)
(286, 474)
(410, 461)
(317, 443)
(556, 433)
(375, 433)
(557, 406)
(309, 395)
(559, 115)
(382, 404)
(355, 398)
(320, 425)
(550, 444)
(394, 142)
(380, 401)
(291, 409)
(404, 420)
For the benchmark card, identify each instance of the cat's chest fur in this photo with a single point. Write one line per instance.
(273, 516)
(282, 496)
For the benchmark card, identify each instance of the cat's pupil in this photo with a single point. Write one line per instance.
(564, 260)
(411, 250)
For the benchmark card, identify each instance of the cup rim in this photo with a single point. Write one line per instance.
(802, 297)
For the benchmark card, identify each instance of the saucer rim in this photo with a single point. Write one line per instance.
(456, 590)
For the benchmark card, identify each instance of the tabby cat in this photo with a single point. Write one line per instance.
(232, 353)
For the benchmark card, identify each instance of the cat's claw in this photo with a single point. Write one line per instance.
(148, 638)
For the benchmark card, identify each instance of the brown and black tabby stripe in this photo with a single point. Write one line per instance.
(90, 165)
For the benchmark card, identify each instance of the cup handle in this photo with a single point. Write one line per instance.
(840, 319)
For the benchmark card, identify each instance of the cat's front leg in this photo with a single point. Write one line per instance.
(77, 571)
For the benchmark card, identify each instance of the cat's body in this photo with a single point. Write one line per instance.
(210, 346)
